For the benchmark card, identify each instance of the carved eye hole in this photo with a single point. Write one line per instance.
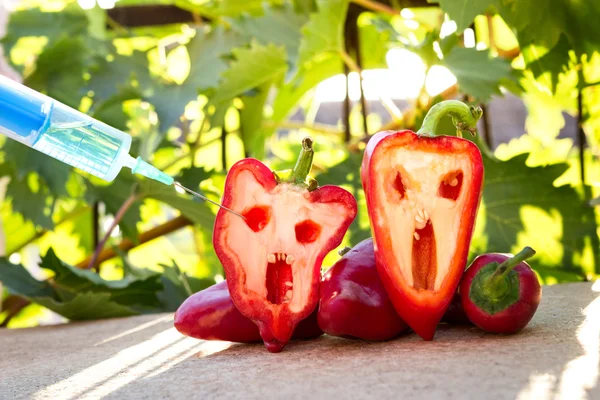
(450, 185)
(307, 231)
(257, 217)
(398, 185)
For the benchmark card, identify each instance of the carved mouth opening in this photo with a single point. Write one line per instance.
(279, 279)
(424, 258)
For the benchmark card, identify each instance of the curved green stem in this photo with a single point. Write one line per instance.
(464, 117)
(304, 163)
(508, 265)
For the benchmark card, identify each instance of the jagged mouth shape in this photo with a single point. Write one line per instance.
(279, 279)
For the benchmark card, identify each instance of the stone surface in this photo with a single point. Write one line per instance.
(556, 356)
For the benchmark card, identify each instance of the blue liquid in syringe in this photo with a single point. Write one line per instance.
(81, 145)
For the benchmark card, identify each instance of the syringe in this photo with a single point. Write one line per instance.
(72, 137)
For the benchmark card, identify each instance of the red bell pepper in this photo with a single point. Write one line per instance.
(273, 257)
(422, 193)
(211, 315)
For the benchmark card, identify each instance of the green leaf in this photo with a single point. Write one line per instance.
(193, 176)
(207, 52)
(546, 65)
(169, 102)
(253, 67)
(19, 281)
(59, 71)
(86, 306)
(178, 286)
(30, 203)
(251, 120)
(305, 80)
(374, 42)
(113, 76)
(324, 32)
(70, 22)
(463, 12)
(80, 294)
(25, 160)
(477, 74)
(194, 209)
(522, 206)
(279, 26)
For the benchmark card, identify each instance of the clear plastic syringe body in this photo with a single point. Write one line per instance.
(67, 135)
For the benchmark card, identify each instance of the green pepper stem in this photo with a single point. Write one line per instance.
(464, 117)
(304, 163)
(509, 264)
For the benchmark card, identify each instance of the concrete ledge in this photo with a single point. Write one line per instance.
(556, 356)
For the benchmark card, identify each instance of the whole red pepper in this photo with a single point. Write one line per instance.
(272, 257)
(500, 292)
(353, 300)
(423, 193)
(211, 315)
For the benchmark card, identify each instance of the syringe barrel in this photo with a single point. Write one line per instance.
(62, 132)
(24, 113)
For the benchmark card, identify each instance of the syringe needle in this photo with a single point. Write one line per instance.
(179, 185)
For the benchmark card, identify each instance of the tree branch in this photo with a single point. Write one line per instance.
(126, 244)
(118, 217)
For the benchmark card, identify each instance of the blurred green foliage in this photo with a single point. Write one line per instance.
(185, 91)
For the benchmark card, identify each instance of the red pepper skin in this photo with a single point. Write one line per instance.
(281, 218)
(513, 318)
(386, 181)
(211, 315)
(455, 314)
(354, 302)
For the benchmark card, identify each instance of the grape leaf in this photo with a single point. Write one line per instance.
(546, 65)
(25, 160)
(31, 204)
(324, 32)
(510, 186)
(290, 93)
(19, 281)
(193, 176)
(82, 294)
(207, 52)
(169, 101)
(69, 22)
(478, 74)
(113, 75)
(59, 71)
(191, 207)
(178, 286)
(280, 26)
(86, 306)
(251, 118)
(253, 67)
(463, 12)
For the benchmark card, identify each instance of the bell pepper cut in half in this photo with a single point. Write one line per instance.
(422, 193)
(273, 257)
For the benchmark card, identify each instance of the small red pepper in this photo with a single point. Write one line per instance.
(273, 257)
(423, 193)
(353, 300)
(211, 315)
(500, 292)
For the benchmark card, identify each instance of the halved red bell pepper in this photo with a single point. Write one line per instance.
(423, 192)
(273, 257)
